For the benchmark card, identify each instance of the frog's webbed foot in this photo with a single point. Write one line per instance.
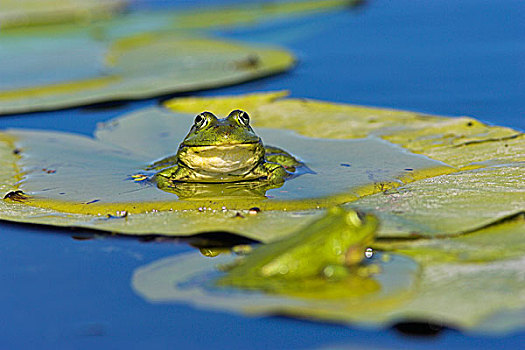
(280, 156)
(163, 163)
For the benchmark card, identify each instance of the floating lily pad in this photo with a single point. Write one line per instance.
(473, 282)
(132, 67)
(136, 55)
(349, 160)
(191, 278)
(482, 297)
(497, 241)
(486, 186)
(21, 13)
(79, 181)
(450, 204)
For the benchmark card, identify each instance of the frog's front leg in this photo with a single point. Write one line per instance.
(275, 173)
(280, 156)
(166, 177)
(163, 178)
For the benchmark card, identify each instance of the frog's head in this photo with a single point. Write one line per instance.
(227, 145)
(356, 229)
(208, 130)
(361, 227)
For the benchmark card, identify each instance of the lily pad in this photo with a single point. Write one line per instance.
(191, 278)
(131, 67)
(452, 236)
(482, 297)
(90, 184)
(486, 185)
(21, 13)
(473, 282)
(450, 204)
(75, 180)
(137, 55)
(498, 241)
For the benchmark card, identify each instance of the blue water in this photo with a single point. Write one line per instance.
(443, 57)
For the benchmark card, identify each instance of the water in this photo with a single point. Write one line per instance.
(446, 57)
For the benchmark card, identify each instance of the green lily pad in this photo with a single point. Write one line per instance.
(137, 55)
(482, 297)
(474, 283)
(450, 204)
(191, 278)
(132, 67)
(73, 180)
(21, 13)
(486, 186)
(91, 184)
(498, 241)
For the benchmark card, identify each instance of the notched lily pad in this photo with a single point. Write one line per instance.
(93, 178)
(78, 181)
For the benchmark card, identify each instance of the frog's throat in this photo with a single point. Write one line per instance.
(231, 159)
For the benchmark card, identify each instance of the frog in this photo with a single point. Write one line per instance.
(330, 248)
(224, 150)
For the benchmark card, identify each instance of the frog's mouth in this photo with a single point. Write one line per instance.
(232, 159)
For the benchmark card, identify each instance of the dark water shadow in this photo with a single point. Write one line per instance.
(201, 240)
(421, 328)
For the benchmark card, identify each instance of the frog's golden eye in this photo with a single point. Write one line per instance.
(243, 118)
(201, 121)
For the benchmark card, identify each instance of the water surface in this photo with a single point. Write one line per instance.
(445, 57)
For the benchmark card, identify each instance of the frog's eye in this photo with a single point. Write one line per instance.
(201, 121)
(243, 118)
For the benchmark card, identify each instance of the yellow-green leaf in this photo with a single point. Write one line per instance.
(79, 181)
(21, 13)
(93, 178)
(136, 55)
(131, 67)
(474, 283)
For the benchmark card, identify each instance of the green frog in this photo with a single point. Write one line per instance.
(224, 151)
(329, 249)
